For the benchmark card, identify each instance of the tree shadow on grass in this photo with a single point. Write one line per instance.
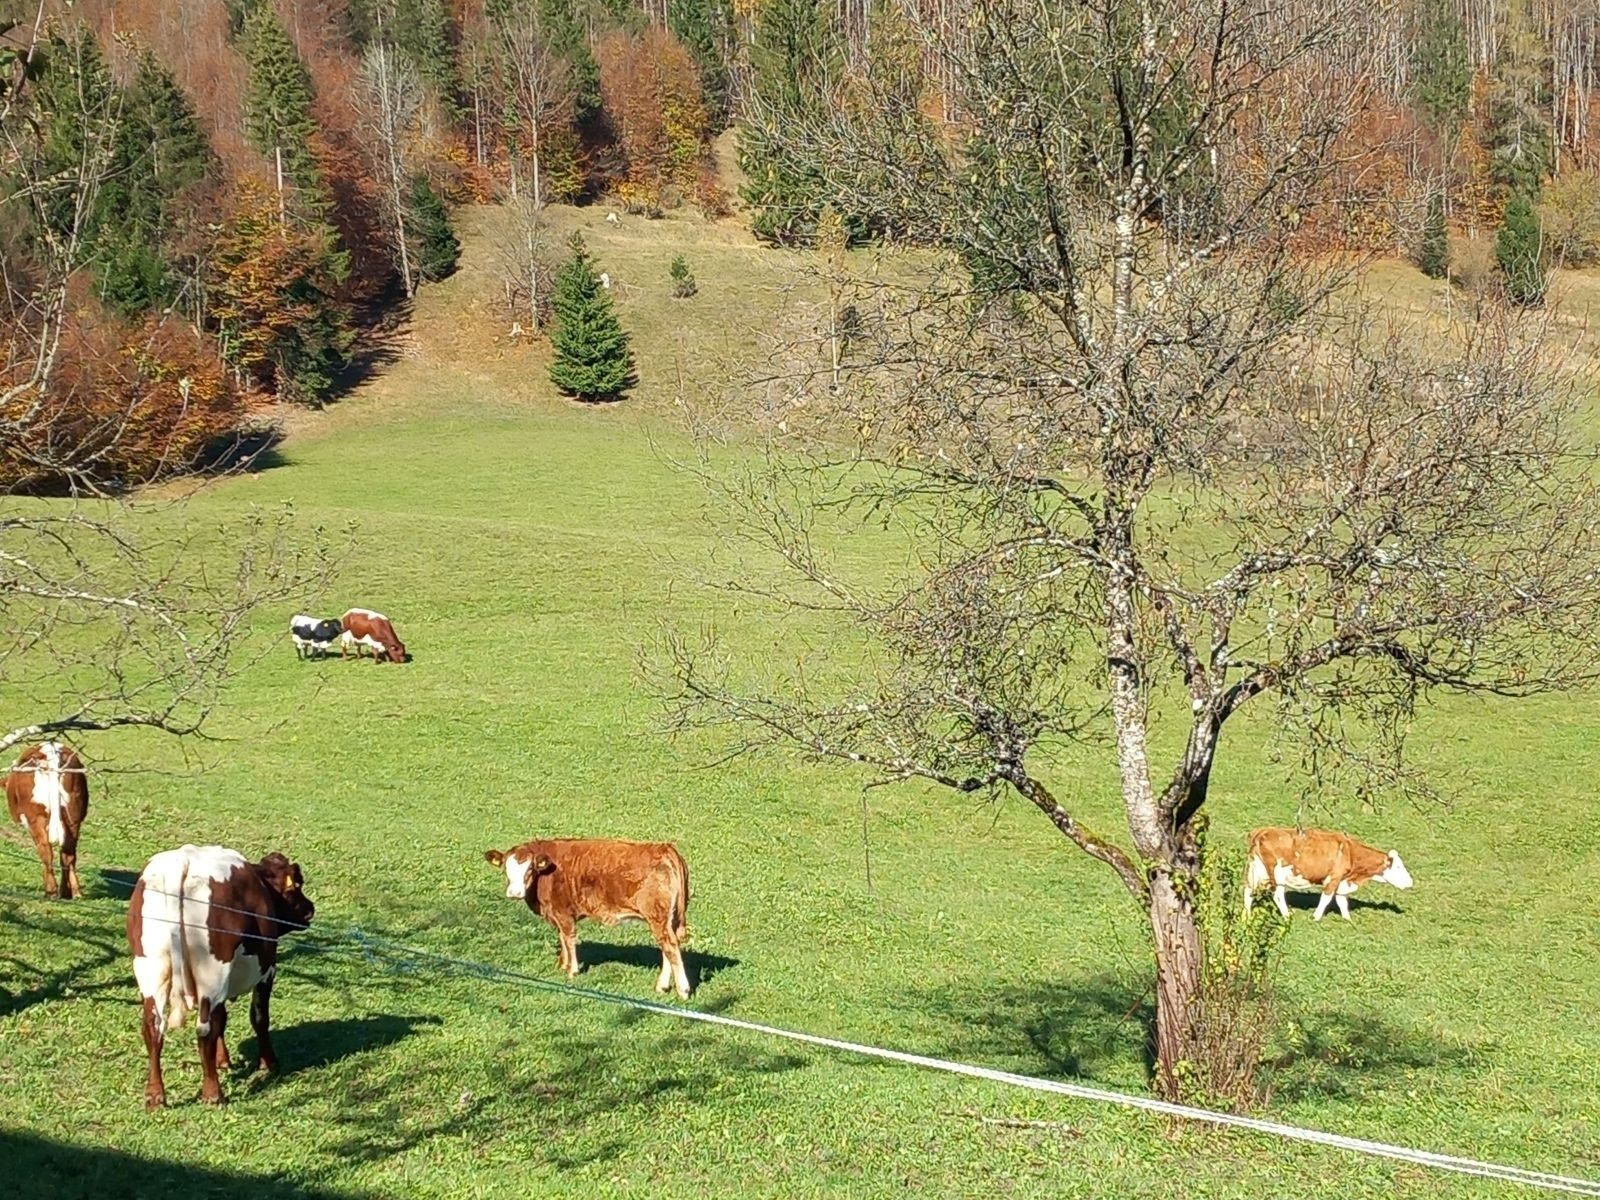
(51, 968)
(1089, 1029)
(1337, 1055)
(566, 1091)
(1099, 1030)
(39, 1168)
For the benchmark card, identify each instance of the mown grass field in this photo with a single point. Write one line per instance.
(527, 549)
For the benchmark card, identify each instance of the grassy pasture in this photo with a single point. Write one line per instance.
(526, 548)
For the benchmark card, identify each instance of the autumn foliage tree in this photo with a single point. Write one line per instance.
(652, 96)
(275, 298)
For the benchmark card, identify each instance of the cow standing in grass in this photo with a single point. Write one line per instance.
(312, 636)
(47, 793)
(1317, 860)
(204, 925)
(368, 630)
(565, 880)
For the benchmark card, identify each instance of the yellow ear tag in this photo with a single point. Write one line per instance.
(288, 885)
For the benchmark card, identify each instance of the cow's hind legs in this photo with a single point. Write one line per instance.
(210, 1086)
(1344, 905)
(70, 885)
(1280, 897)
(47, 860)
(154, 1030)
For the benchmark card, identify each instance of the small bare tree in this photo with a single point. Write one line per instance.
(536, 79)
(391, 97)
(1154, 466)
(521, 252)
(112, 613)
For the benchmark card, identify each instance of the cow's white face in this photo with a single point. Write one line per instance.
(1396, 873)
(517, 872)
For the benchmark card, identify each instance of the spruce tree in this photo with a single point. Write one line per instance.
(1521, 152)
(593, 361)
(1433, 254)
(438, 248)
(683, 281)
(793, 60)
(422, 30)
(569, 39)
(76, 110)
(277, 113)
(1441, 71)
(1518, 251)
(705, 27)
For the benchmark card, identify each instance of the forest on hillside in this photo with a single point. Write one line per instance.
(206, 203)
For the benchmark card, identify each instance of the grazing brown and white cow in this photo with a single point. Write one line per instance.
(48, 795)
(1317, 860)
(365, 629)
(204, 926)
(565, 880)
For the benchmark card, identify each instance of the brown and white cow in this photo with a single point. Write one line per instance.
(1317, 860)
(204, 926)
(565, 880)
(368, 630)
(47, 792)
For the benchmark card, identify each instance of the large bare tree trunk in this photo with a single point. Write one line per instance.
(1176, 928)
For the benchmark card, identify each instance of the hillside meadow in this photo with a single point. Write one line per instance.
(529, 551)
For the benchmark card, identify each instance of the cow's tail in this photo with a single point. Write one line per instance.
(1256, 875)
(180, 989)
(680, 900)
(49, 789)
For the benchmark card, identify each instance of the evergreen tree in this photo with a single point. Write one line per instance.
(76, 114)
(1441, 72)
(683, 281)
(423, 31)
(705, 27)
(569, 40)
(1521, 152)
(1433, 254)
(275, 299)
(794, 59)
(277, 114)
(438, 249)
(593, 361)
(1519, 252)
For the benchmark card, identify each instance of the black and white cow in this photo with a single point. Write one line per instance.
(312, 635)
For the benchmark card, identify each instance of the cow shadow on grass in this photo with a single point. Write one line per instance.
(1308, 901)
(700, 967)
(39, 1168)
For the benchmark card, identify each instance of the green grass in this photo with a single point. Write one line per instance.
(526, 549)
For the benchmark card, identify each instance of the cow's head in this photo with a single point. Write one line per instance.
(394, 649)
(285, 879)
(328, 631)
(521, 867)
(1395, 873)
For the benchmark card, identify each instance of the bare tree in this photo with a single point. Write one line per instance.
(522, 254)
(537, 81)
(391, 97)
(1153, 466)
(113, 611)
